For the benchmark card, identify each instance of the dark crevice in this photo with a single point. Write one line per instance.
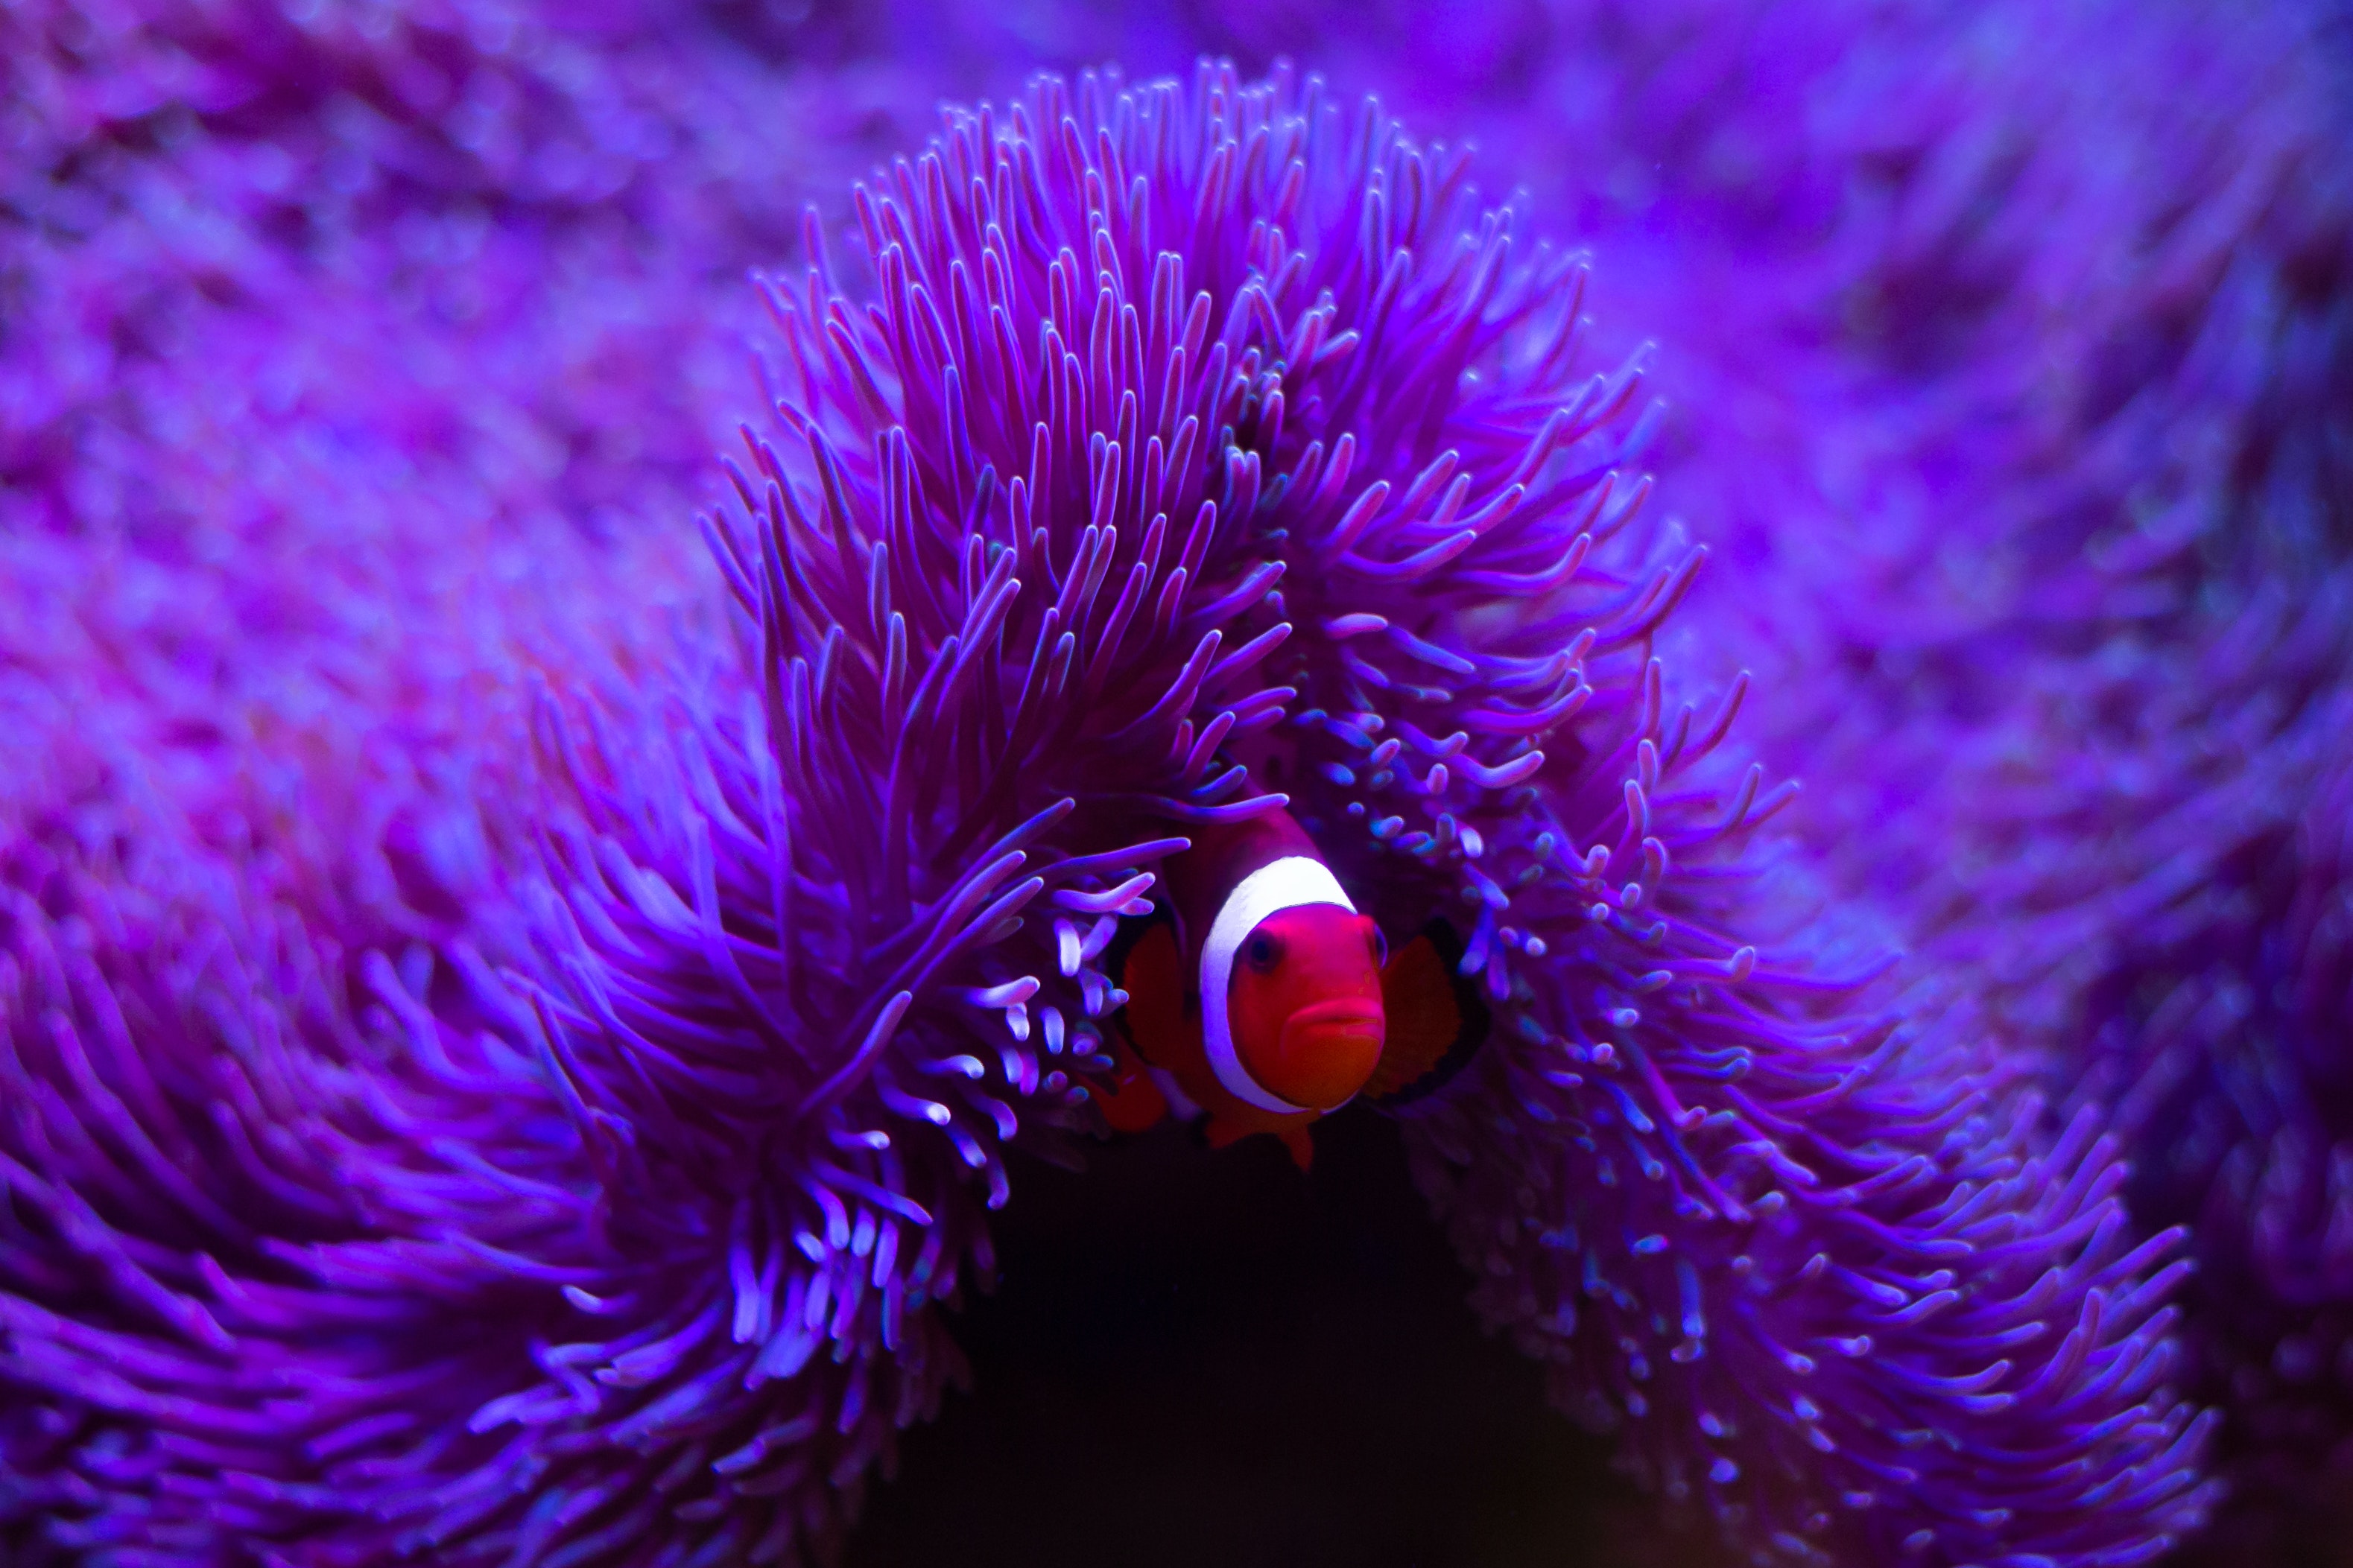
(1210, 1360)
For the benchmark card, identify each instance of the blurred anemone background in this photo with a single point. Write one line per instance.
(383, 749)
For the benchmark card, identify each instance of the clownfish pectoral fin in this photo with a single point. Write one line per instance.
(1131, 1101)
(1301, 1144)
(1436, 1020)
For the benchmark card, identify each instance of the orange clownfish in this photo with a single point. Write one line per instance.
(1257, 993)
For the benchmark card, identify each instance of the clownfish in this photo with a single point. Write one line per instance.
(1259, 995)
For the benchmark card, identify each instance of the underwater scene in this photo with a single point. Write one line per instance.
(1396, 785)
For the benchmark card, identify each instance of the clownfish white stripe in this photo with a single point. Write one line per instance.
(1285, 884)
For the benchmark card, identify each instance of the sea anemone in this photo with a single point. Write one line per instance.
(2218, 1035)
(1411, 530)
(2012, 356)
(1163, 430)
(2041, 444)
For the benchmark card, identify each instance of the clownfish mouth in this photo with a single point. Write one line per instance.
(1326, 1052)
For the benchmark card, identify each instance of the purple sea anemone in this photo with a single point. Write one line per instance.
(2013, 360)
(2041, 446)
(1406, 446)
(1164, 428)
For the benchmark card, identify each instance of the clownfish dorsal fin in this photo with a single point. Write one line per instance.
(1436, 1020)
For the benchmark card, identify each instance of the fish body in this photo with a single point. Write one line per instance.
(1258, 993)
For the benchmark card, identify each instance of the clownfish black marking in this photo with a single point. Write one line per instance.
(1259, 995)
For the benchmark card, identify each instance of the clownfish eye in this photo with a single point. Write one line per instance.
(1376, 942)
(1263, 952)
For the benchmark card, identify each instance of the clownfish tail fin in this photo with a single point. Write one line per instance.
(1436, 1020)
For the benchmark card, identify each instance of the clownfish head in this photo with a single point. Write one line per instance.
(1306, 1003)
